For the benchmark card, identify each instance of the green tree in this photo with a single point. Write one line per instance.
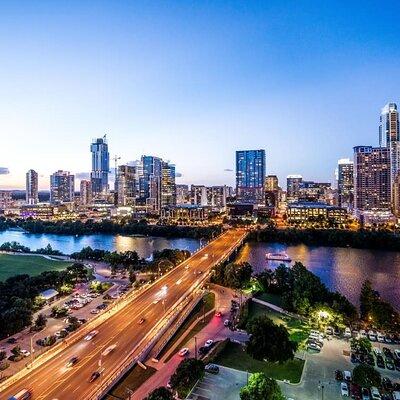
(16, 351)
(3, 355)
(40, 322)
(237, 276)
(260, 387)
(269, 341)
(161, 393)
(366, 376)
(367, 299)
(362, 345)
(77, 272)
(189, 371)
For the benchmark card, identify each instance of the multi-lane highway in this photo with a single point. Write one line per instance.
(54, 380)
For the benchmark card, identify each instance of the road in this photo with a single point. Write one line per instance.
(54, 380)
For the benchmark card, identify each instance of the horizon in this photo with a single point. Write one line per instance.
(192, 83)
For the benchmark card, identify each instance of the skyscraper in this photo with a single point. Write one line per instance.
(127, 185)
(293, 183)
(32, 187)
(345, 182)
(150, 183)
(168, 187)
(389, 125)
(61, 187)
(372, 183)
(85, 192)
(100, 167)
(250, 175)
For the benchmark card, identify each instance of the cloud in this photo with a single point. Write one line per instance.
(4, 171)
(178, 175)
(82, 175)
(228, 170)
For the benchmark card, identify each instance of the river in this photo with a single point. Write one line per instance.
(144, 245)
(341, 269)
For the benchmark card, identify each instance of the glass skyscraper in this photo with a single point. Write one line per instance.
(250, 175)
(100, 166)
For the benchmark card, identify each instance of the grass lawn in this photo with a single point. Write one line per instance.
(298, 330)
(131, 381)
(271, 298)
(234, 356)
(11, 265)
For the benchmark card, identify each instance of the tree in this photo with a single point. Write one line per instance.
(366, 376)
(132, 276)
(40, 322)
(367, 298)
(189, 371)
(362, 345)
(3, 355)
(237, 276)
(161, 393)
(16, 351)
(77, 272)
(260, 387)
(269, 341)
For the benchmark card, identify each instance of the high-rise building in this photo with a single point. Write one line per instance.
(250, 175)
(85, 194)
(32, 187)
(168, 186)
(314, 191)
(199, 195)
(271, 183)
(396, 195)
(372, 182)
(150, 184)
(61, 187)
(345, 183)
(271, 188)
(182, 194)
(100, 167)
(127, 185)
(216, 196)
(389, 125)
(293, 183)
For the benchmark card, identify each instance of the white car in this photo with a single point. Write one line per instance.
(381, 338)
(313, 346)
(347, 333)
(91, 335)
(372, 336)
(209, 343)
(375, 393)
(25, 353)
(108, 350)
(397, 353)
(94, 311)
(363, 334)
(347, 376)
(344, 389)
(183, 352)
(377, 351)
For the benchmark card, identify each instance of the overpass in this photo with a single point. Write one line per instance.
(157, 304)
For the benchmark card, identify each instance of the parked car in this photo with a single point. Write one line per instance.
(372, 336)
(380, 361)
(375, 394)
(344, 389)
(355, 391)
(381, 337)
(389, 364)
(347, 333)
(397, 364)
(365, 394)
(329, 330)
(25, 353)
(183, 352)
(209, 343)
(313, 346)
(353, 358)
(203, 350)
(377, 351)
(363, 334)
(212, 368)
(387, 353)
(338, 375)
(387, 384)
(347, 376)
(12, 340)
(397, 353)
(370, 360)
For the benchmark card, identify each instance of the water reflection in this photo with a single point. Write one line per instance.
(341, 269)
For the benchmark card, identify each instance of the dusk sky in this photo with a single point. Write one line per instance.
(192, 82)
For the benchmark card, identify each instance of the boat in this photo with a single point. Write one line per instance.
(278, 257)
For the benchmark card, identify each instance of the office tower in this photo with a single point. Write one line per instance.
(314, 191)
(100, 167)
(389, 125)
(127, 185)
(293, 183)
(250, 175)
(345, 183)
(85, 194)
(182, 194)
(271, 189)
(150, 183)
(5, 199)
(396, 195)
(199, 195)
(271, 183)
(61, 187)
(168, 187)
(372, 183)
(32, 187)
(216, 196)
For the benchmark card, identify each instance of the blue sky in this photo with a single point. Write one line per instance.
(192, 82)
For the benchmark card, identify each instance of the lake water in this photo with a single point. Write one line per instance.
(68, 244)
(341, 269)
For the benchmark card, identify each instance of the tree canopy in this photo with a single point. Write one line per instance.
(161, 393)
(189, 371)
(260, 387)
(366, 376)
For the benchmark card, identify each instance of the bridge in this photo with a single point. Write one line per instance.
(134, 325)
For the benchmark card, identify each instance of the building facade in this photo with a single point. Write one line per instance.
(345, 183)
(293, 183)
(182, 194)
(168, 186)
(250, 175)
(85, 193)
(100, 167)
(308, 212)
(62, 186)
(32, 187)
(372, 178)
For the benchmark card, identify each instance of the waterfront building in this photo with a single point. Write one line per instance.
(293, 183)
(345, 183)
(127, 185)
(100, 167)
(250, 176)
(372, 182)
(61, 187)
(199, 195)
(184, 213)
(313, 191)
(216, 196)
(32, 187)
(182, 194)
(85, 193)
(271, 183)
(5, 199)
(168, 186)
(150, 183)
(309, 212)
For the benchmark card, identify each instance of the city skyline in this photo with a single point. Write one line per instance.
(234, 77)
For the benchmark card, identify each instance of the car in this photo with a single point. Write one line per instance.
(387, 384)
(370, 360)
(313, 346)
(211, 368)
(94, 376)
(347, 333)
(375, 394)
(203, 350)
(344, 389)
(91, 335)
(353, 358)
(338, 375)
(94, 311)
(25, 353)
(355, 334)
(169, 385)
(387, 353)
(23, 394)
(363, 334)
(72, 361)
(183, 352)
(329, 330)
(389, 364)
(365, 394)
(388, 339)
(156, 301)
(141, 321)
(355, 391)
(381, 337)
(377, 351)
(227, 322)
(209, 343)
(380, 362)
(397, 364)
(347, 376)
(396, 395)
(397, 353)
(218, 314)
(12, 340)
(372, 336)
(108, 350)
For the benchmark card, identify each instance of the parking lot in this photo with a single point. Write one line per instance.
(224, 385)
